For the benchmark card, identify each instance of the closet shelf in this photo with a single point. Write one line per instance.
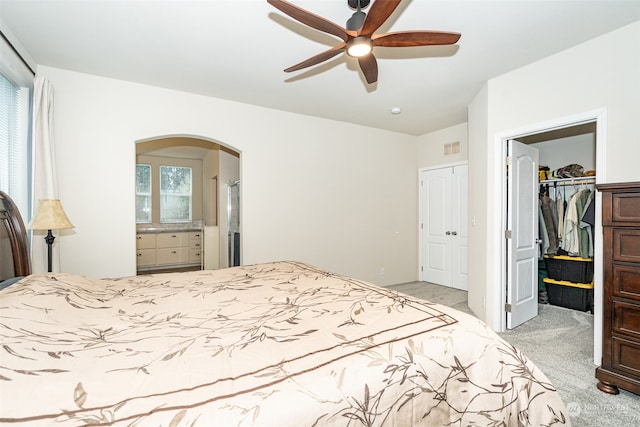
(570, 181)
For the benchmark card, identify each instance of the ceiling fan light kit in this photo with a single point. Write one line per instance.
(359, 46)
(359, 38)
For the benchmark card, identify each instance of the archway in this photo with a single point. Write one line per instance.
(212, 166)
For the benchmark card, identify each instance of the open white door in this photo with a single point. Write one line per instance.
(522, 233)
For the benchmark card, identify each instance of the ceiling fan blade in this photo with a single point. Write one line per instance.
(327, 54)
(379, 12)
(415, 38)
(369, 67)
(310, 19)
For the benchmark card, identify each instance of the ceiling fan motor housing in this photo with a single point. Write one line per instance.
(353, 4)
(355, 22)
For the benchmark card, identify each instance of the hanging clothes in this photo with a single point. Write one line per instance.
(586, 233)
(570, 236)
(589, 219)
(550, 223)
(577, 239)
(560, 203)
(542, 232)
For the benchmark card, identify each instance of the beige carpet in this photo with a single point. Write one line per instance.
(560, 342)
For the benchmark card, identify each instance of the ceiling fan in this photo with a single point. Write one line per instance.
(359, 37)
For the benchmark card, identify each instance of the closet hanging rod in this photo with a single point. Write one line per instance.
(570, 181)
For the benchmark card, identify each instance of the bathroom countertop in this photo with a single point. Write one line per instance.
(169, 228)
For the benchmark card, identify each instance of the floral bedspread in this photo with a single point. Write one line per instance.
(277, 344)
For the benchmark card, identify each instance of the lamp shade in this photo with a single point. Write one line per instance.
(50, 216)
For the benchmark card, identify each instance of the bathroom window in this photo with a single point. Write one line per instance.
(175, 194)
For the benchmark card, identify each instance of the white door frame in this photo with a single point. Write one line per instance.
(420, 213)
(498, 209)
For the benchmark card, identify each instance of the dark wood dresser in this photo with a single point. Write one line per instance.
(621, 303)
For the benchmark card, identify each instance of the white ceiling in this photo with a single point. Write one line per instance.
(237, 49)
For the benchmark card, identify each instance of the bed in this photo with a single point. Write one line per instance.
(273, 344)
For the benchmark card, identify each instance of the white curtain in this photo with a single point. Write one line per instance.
(45, 182)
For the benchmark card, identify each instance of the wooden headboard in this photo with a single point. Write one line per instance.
(14, 249)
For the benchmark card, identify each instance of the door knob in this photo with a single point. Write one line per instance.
(448, 233)
(455, 233)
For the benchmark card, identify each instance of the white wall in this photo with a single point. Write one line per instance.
(601, 74)
(430, 146)
(479, 292)
(211, 187)
(560, 152)
(340, 196)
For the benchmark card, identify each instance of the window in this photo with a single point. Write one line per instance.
(143, 193)
(175, 194)
(16, 83)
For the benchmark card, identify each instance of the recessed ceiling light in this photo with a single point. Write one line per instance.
(396, 110)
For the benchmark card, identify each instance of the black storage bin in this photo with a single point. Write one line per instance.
(569, 268)
(576, 296)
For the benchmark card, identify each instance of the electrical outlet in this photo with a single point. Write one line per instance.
(382, 271)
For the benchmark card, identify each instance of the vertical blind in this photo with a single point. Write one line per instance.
(16, 87)
(14, 147)
(8, 125)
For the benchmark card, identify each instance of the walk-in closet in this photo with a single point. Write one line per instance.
(566, 216)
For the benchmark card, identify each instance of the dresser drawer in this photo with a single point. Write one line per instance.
(626, 281)
(626, 319)
(626, 356)
(626, 244)
(625, 207)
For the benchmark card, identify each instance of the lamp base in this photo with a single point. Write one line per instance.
(49, 238)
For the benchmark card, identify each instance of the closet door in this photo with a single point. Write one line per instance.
(443, 225)
(435, 224)
(460, 229)
(522, 234)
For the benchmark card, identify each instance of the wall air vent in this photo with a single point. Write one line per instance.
(451, 148)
